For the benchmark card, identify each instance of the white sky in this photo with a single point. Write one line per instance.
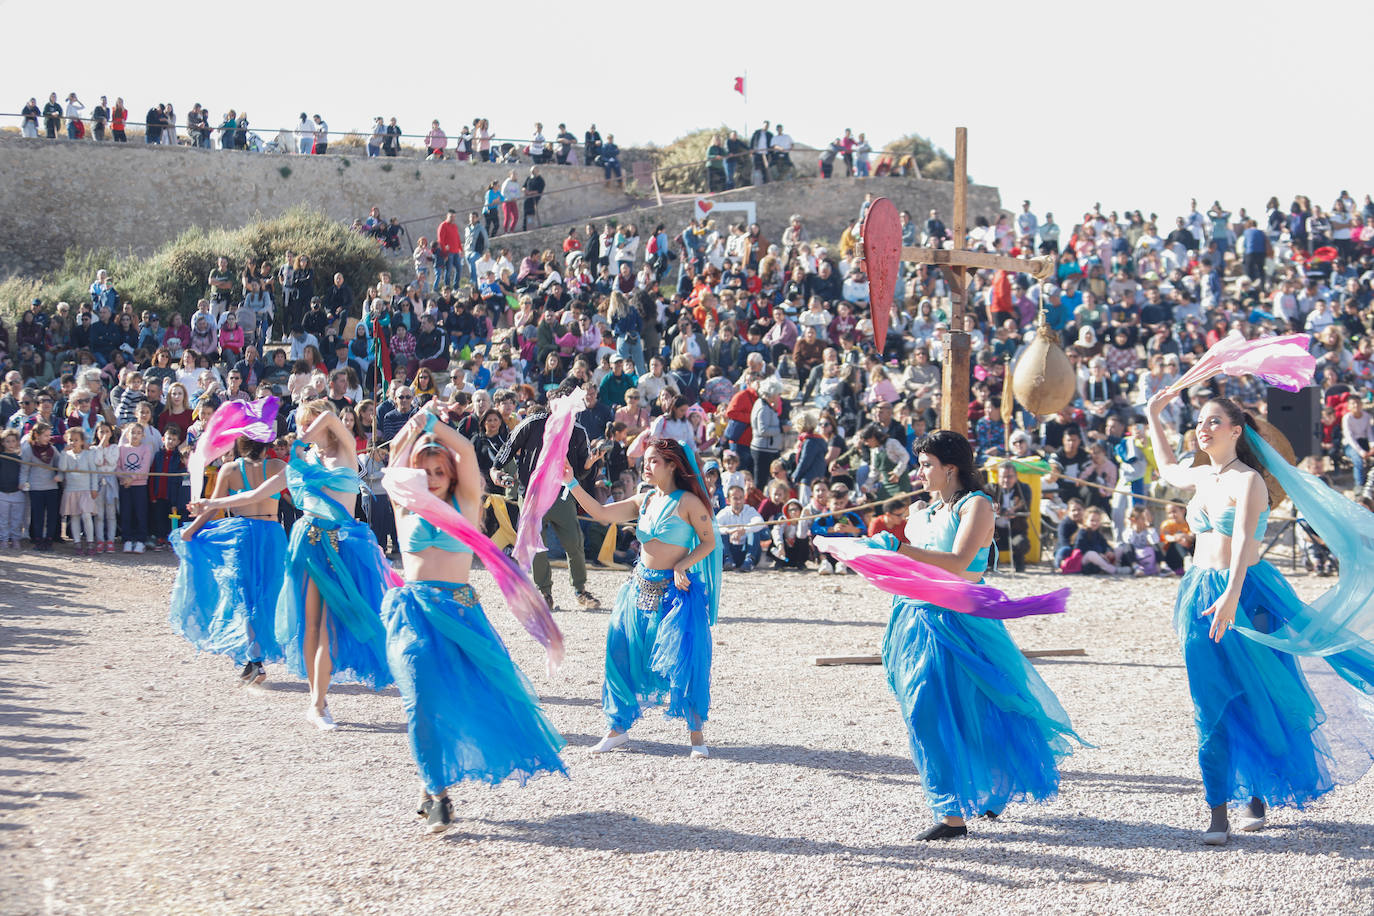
(1136, 106)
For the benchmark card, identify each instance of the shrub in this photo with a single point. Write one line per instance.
(174, 276)
(933, 162)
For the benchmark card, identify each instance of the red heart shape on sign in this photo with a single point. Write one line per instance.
(704, 206)
(881, 231)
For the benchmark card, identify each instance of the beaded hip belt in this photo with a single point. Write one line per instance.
(649, 592)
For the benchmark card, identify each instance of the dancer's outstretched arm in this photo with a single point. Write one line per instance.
(616, 513)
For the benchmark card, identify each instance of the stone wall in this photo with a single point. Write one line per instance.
(129, 197)
(826, 206)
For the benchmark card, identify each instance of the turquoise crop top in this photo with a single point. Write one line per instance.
(659, 521)
(1225, 523)
(417, 533)
(932, 530)
(243, 475)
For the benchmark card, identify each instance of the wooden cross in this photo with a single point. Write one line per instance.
(955, 263)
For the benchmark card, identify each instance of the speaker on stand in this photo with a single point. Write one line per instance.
(1297, 414)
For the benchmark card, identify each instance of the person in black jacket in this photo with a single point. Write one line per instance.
(524, 448)
(1011, 502)
(760, 144)
(52, 116)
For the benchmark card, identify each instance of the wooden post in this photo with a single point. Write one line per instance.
(954, 362)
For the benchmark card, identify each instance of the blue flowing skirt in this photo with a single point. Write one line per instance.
(658, 650)
(1258, 721)
(472, 714)
(349, 569)
(224, 600)
(984, 728)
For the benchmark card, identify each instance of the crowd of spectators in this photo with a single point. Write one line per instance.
(753, 346)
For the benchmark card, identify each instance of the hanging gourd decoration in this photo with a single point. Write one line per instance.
(1044, 380)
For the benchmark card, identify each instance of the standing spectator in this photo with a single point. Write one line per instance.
(100, 117)
(119, 117)
(861, 152)
(79, 494)
(609, 159)
(436, 141)
(221, 281)
(38, 478)
(392, 144)
(12, 498)
(448, 263)
(539, 147)
(591, 145)
(31, 113)
(759, 144)
(1255, 248)
(321, 136)
(736, 159)
(1357, 434)
(534, 190)
(766, 424)
(525, 448)
(475, 241)
(566, 141)
(377, 139)
(52, 116)
(510, 195)
(135, 459)
(152, 126)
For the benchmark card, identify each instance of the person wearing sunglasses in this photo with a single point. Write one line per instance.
(393, 414)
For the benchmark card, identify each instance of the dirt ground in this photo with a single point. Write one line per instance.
(136, 778)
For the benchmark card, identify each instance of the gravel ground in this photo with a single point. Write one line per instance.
(137, 779)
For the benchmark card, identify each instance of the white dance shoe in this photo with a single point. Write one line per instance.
(610, 743)
(700, 752)
(321, 720)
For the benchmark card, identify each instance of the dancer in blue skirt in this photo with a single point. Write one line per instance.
(472, 714)
(224, 600)
(328, 612)
(984, 728)
(1258, 722)
(658, 648)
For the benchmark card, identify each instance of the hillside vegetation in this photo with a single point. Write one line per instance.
(174, 276)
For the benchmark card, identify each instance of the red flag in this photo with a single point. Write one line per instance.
(739, 85)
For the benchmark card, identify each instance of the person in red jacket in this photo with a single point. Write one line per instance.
(448, 265)
(738, 432)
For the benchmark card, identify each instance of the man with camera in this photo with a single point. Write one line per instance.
(524, 448)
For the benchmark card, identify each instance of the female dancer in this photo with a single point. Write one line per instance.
(659, 644)
(472, 714)
(984, 728)
(327, 613)
(1257, 719)
(224, 600)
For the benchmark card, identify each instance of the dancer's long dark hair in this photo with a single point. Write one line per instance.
(1241, 417)
(683, 476)
(948, 447)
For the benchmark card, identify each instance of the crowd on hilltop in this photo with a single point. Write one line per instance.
(754, 345)
(732, 161)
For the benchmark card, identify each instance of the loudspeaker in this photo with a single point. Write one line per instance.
(1297, 414)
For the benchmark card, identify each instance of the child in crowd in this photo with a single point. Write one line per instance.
(166, 493)
(106, 450)
(1141, 541)
(892, 520)
(38, 478)
(135, 458)
(1067, 530)
(12, 499)
(1176, 538)
(1091, 541)
(80, 493)
(792, 537)
(732, 476)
